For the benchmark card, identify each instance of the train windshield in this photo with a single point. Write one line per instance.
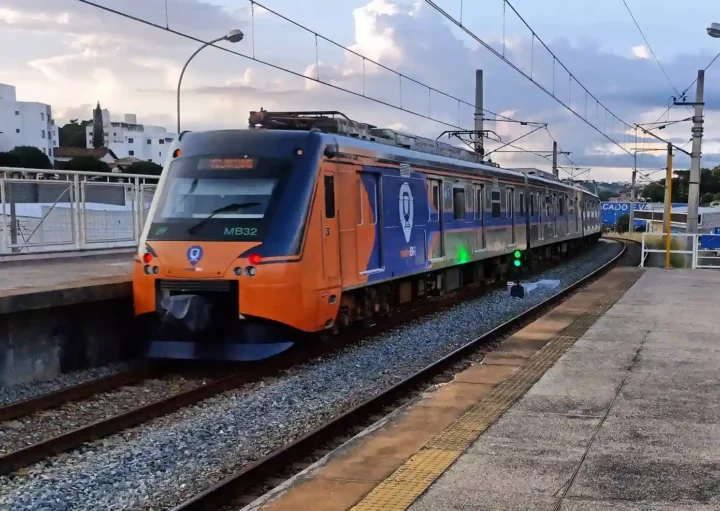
(218, 199)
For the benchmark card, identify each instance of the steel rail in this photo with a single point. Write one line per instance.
(254, 473)
(253, 372)
(73, 393)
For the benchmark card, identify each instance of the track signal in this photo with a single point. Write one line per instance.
(517, 290)
(517, 258)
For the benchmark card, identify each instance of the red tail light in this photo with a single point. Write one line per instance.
(254, 259)
(147, 258)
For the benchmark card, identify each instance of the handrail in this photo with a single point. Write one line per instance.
(87, 227)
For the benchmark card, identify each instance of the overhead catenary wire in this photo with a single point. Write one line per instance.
(682, 94)
(524, 74)
(317, 78)
(650, 48)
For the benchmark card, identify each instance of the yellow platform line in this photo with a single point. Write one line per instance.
(410, 480)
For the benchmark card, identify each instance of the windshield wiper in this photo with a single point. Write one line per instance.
(224, 209)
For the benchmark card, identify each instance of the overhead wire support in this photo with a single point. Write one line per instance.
(663, 140)
(684, 92)
(524, 74)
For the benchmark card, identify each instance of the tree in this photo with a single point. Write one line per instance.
(605, 195)
(87, 164)
(623, 223)
(10, 160)
(73, 134)
(654, 192)
(98, 134)
(716, 196)
(144, 167)
(30, 157)
(706, 198)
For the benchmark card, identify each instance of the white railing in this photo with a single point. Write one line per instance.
(46, 210)
(695, 251)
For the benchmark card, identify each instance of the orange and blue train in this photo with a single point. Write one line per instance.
(311, 222)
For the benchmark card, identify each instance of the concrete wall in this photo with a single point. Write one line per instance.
(42, 343)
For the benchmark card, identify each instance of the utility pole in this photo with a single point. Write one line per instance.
(555, 153)
(697, 133)
(668, 204)
(631, 225)
(479, 112)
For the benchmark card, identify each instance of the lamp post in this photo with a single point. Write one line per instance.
(234, 36)
(714, 30)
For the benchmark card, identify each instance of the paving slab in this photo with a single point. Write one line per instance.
(628, 418)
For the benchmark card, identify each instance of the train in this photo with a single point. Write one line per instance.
(310, 222)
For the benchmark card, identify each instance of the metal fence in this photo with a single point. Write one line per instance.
(50, 210)
(695, 251)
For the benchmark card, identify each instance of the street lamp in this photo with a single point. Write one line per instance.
(714, 30)
(234, 36)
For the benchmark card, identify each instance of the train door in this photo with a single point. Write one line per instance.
(435, 242)
(555, 204)
(369, 226)
(541, 216)
(330, 233)
(510, 202)
(479, 194)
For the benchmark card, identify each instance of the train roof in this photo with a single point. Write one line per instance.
(393, 145)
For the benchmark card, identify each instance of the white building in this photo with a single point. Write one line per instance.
(130, 139)
(25, 123)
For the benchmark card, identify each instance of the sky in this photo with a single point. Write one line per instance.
(72, 55)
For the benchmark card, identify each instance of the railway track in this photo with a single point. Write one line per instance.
(261, 476)
(78, 436)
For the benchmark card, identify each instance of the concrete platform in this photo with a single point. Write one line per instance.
(36, 284)
(63, 314)
(627, 419)
(610, 401)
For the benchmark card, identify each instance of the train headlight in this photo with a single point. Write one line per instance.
(155, 270)
(147, 269)
(237, 271)
(250, 270)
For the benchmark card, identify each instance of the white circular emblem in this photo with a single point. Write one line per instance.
(406, 210)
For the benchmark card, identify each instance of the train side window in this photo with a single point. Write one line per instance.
(359, 213)
(495, 201)
(479, 207)
(459, 203)
(532, 204)
(521, 208)
(434, 211)
(373, 193)
(329, 197)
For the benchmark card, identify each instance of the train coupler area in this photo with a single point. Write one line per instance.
(207, 326)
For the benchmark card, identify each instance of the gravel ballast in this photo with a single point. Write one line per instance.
(160, 463)
(24, 391)
(46, 424)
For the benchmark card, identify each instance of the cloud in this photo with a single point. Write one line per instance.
(641, 52)
(91, 55)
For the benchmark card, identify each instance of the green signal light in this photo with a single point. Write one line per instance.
(517, 262)
(517, 254)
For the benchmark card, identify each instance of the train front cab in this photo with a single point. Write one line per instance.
(227, 264)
